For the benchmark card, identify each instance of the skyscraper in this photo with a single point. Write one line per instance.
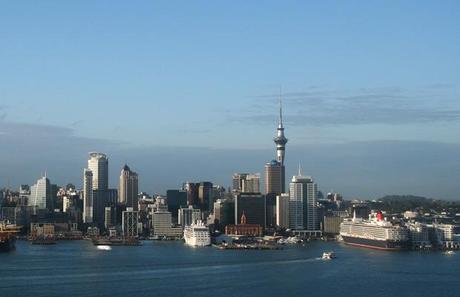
(274, 176)
(128, 188)
(302, 203)
(87, 196)
(40, 194)
(98, 164)
(205, 196)
(246, 183)
(253, 205)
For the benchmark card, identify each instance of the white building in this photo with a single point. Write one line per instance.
(40, 194)
(302, 203)
(98, 163)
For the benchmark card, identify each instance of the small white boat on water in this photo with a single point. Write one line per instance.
(449, 253)
(328, 256)
(104, 247)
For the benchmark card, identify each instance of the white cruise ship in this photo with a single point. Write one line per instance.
(197, 234)
(374, 233)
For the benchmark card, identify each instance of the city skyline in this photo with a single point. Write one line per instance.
(160, 87)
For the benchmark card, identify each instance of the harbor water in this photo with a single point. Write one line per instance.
(77, 268)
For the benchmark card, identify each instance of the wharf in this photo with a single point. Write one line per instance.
(117, 241)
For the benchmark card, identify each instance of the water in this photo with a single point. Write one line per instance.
(172, 269)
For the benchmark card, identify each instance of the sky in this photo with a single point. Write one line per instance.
(188, 90)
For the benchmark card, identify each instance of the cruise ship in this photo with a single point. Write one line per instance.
(375, 233)
(197, 234)
(7, 236)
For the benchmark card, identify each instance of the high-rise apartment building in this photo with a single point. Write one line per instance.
(128, 188)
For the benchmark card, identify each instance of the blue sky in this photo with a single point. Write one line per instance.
(148, 76)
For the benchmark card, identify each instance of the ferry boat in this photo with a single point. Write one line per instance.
(7, 236)
(197, 234)
(328, 256)
(375, 233)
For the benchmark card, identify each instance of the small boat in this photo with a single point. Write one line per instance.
(450, 253)
(328, 256)
(104, 247)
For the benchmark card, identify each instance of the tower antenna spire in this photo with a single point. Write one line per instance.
(281, 107)
(300, 169)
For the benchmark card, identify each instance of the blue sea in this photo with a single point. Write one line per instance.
(77, 268)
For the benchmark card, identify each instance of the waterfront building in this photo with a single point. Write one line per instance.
(331, 224)
(128, 188)
(253, 205)
(246, 182)
(444, 236)
(188, 216)
(419, 235)
(130, 219)
(40, 194)
(244, 228)
(282, 210)
(302, 203)
(162, 224)
(88, 200)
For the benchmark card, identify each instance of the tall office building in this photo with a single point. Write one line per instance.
(128, 188)
(205, 196)
(274, 178)
(282, 210)
(192, 193)
(246, 183)
(40, 194)
(88, 196)
(302, 203)
(252, 205)
(98, 164)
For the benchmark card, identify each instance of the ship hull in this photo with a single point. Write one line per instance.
(7, 245)
(385, 245)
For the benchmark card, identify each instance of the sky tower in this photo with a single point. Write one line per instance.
(280, 140)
